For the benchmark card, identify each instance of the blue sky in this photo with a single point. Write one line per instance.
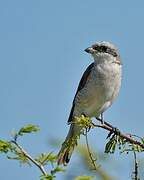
(42, 59)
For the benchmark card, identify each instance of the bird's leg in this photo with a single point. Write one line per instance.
(114, 130)
(102, 118)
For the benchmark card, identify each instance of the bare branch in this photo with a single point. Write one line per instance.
(30, 158)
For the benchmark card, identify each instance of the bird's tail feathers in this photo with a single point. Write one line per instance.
(68, 146)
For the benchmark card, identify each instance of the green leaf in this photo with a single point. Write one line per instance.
(142, 140)
(5, 146)
(57, 169)
(44, 158)
(52, 157)
(28, 129)
(84, 178)
(84, 122)
(47, 177)
(111, 145)
(22, 159)
(18, 155)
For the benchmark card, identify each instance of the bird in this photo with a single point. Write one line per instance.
(98, 88)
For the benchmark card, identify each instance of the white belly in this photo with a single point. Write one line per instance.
(100, 91)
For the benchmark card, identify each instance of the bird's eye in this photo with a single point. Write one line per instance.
(95, 47)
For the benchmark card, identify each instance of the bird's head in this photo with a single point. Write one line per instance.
(103, 50)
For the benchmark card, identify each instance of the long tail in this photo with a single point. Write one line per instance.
(69, 144)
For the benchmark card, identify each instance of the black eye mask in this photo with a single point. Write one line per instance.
(105, 49)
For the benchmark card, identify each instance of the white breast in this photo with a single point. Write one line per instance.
(100, 90)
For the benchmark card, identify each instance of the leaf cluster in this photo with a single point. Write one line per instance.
(26, 130)
(15, 152)
(52, 174)
(5, 146)
(117, 141)
(44, 158)
(84, 122)
(11, 148)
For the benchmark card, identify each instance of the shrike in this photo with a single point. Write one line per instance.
(98, 88)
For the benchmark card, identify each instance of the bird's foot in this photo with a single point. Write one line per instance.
(114, 131)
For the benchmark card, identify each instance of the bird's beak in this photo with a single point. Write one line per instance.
(89, 50)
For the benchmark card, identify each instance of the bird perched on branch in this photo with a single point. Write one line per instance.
(98, 88)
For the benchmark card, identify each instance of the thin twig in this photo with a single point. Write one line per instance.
(136, 167)
(89, 152)
(30, 158)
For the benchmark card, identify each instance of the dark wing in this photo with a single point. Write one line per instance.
(80, 86)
